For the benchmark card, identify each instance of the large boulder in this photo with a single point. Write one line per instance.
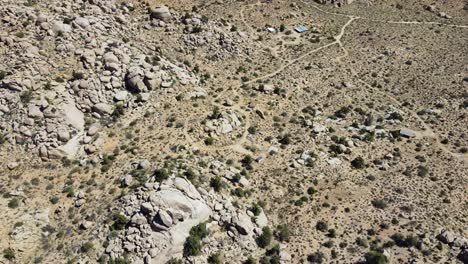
(243, 224)
(103, 108)
(161, 13)
(134, 80)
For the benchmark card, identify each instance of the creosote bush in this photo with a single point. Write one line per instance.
(215, 258)
(161, 175)
(381, 204)
(120, 221)
(216, 183)
(321, 226)
(282, 233)
(9, 254)
(404, 241)
(358, 163)
(193, 244)
(265, 238)
(375, 257)
(13, 203)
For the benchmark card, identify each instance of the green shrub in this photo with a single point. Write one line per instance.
(239, 192)
(9, 254)
(285, 140)
(26, 96)
(423, 171)
(190, 175)
(247, 162)
(362, 242)
(13, 203)
(250, 260)
(282, 233)
(161, 175)
(282, 28)
(321, 226)
(193, 244)
(209, 141)
(120, 221)
(215, 258)
(311, 191)
(118, 261)
(358, 163)
(200, 231)
(271, 256)
(77, 75)
(265, 238)
(118, 111)
(216, 183)
(54, 199)
(256, 209)
(87, 247)
(402, 241)
(2, 139)
(375, 257)
(317, 257)
(175, 261)
(377, 203)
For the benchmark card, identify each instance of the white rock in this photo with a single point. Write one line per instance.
(94, 129)
(121, 96)
(261, 220)
(82, 22)
(58, 27)
(161, 12)
(406, 132)
(103, 108)
(12, 165)
(226, 128)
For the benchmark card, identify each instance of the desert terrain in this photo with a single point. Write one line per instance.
(210, 131)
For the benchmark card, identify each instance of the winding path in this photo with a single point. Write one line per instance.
(238, 146)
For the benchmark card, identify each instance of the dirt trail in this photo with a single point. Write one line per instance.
(238, 146)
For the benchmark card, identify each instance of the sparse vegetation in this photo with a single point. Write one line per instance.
(9, 254)
(193, 244)
(265, 238)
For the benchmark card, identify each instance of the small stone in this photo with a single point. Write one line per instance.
(94, 129)
(86, 225)
(12, 165)
(80, 202)
(63, 135)
(144, 164)
(121, 96)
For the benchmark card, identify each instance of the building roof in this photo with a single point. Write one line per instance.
(301, 29)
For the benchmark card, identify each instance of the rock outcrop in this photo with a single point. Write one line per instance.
(161, 217)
